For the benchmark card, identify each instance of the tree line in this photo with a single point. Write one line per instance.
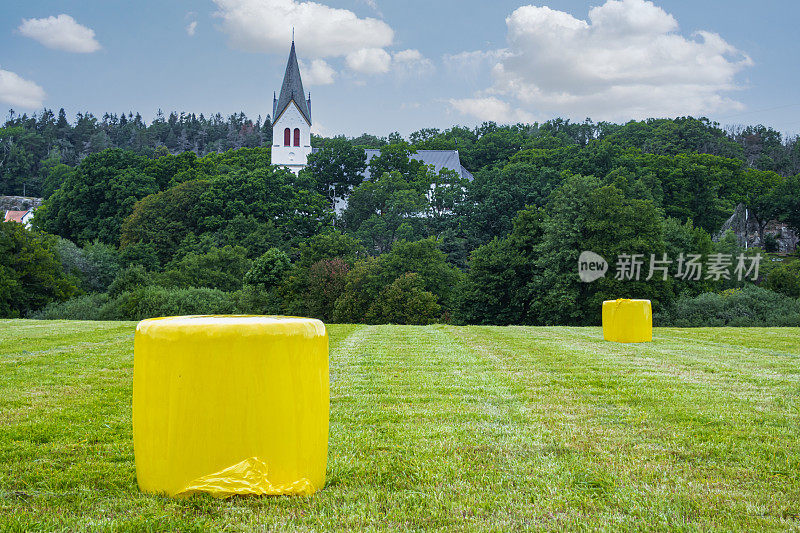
(145, 233)
(32, 145)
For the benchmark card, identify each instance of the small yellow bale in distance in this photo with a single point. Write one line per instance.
(627, 320)
(230, 405)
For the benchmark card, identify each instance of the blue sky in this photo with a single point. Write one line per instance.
(378, 66)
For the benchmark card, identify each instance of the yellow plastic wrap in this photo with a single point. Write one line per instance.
(627, 320)
(230, 405)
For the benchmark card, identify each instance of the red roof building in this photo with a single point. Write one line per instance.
(20, 217)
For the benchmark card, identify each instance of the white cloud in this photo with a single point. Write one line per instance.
(369, 61)
(18, 91)
(317, 73)
(490, 109)
(408, 56)
(191, 28)
(320, 129)
(374, 6)
(60, 33)
(626, 61)
(411, 62)
(321, 31)
(474, 60)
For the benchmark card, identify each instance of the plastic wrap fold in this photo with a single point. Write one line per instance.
(627, 320)
(230, 405)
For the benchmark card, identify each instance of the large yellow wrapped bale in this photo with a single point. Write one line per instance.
(230, 405)
(627, 320)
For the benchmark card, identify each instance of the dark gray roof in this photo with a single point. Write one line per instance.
(292, 89)
(438, 158)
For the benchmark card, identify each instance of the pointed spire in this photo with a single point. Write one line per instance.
(292, 89)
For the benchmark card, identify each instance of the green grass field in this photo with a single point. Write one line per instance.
(439, 427)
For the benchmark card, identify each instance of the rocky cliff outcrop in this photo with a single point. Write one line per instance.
(745, 228)
(18, 203)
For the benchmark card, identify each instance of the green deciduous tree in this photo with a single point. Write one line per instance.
(96, 198)
(368, 280)
(496, 288)
(165, 218)
(330, 244)
(31, 274)
(268, 270)
(787, 200)
(326, 283)
(336, 168)
(95, 265)
(405, 301)
(785, 279)
(257, 209)
(380, 207)
(759, 195)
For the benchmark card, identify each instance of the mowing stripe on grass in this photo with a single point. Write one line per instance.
(705, 454)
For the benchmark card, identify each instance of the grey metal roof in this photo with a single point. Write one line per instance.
(440, 159)
(292, 89)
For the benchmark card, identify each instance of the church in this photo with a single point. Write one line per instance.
(291, 129)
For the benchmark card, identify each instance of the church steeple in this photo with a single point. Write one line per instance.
(291, 122)
(292, 90)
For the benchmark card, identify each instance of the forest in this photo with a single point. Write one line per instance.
(187, 216)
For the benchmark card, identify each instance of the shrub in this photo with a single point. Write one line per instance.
(96, 264)
(785, 279)
(748, 306)
(770, 243)
(406, 301)
(221, 268)
(326, 282)
(88, 307)
(133, 277)
(269, 269)
(369, 279)
(252, 300)
(153, 301)
(140, 303)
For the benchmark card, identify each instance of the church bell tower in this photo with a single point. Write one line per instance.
(291, 120)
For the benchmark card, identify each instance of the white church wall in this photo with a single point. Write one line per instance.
(294, 157)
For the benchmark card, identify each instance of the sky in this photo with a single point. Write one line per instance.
(379, 66)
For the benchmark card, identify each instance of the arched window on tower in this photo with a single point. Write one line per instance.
(287, 137)
(297, 136)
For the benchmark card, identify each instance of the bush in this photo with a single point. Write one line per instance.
(368, 280)
(88, 307)
(96, 264)
(133, 277)
(785, 279)
(748, 306)
(268, 270)
(221, 268)
(406, 301)
(770, 243)
(141, 303)
(326, 282)
(252, 300)
(153, 301)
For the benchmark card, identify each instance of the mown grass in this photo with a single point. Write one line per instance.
(440, 427)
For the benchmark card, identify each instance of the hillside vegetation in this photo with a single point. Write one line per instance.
(153, 228)
(458, 428)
